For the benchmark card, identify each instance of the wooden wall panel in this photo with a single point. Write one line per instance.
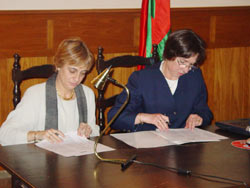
(5, 91)
(195, 19)
(239, 31)
(108, 31)
(36, 35)
(22, 33)
(220, 27)
(226, 73)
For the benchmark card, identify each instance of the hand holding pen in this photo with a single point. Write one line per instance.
(52, 135)
(159, 120)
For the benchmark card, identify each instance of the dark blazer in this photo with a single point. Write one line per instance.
(150, 93)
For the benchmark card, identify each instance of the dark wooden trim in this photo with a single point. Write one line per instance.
(75, 11)
(38, 32)
(221, 27)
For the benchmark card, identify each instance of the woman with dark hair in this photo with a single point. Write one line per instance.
(60, 105)
(171, 94)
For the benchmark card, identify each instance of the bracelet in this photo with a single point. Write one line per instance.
(35, 137)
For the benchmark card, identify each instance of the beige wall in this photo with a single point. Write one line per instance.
(108, 4)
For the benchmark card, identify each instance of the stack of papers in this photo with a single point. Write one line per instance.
(73, 145)
(151, 139)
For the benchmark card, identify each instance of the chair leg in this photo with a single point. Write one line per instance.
(5, 179)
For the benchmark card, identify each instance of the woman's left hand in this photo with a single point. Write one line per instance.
(84, 130)
(193, 121)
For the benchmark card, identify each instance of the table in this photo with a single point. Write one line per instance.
(35, 167)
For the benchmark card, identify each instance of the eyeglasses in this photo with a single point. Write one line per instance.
(185, 65)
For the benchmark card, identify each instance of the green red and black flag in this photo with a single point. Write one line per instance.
(154, 26)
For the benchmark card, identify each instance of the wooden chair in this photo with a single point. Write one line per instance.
(103, 103)
(18, 75)
(5, 179)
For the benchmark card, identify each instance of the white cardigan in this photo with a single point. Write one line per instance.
(29, 115)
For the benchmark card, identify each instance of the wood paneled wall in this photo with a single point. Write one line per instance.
(36, 34)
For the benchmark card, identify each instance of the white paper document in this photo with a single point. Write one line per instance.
(151, 139)
(73, 145)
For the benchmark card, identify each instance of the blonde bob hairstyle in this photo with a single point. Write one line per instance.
(73, 52)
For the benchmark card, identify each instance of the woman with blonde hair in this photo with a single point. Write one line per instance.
(60, 105)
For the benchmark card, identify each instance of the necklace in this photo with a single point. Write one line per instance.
(65, 98)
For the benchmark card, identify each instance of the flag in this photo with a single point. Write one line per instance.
(154, 26)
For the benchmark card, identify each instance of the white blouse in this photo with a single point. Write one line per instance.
(29, 115)
(172, 84)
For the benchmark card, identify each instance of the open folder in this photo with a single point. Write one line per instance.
(151, 139)
(73, 145)
(239, 126)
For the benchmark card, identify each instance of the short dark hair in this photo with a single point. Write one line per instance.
(185, 43)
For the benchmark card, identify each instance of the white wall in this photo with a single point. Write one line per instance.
(108, 4)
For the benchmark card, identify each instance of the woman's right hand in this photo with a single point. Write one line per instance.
(52, 135)
(159, 120)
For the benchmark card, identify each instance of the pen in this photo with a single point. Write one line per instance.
(59, 136)
(168, 122)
